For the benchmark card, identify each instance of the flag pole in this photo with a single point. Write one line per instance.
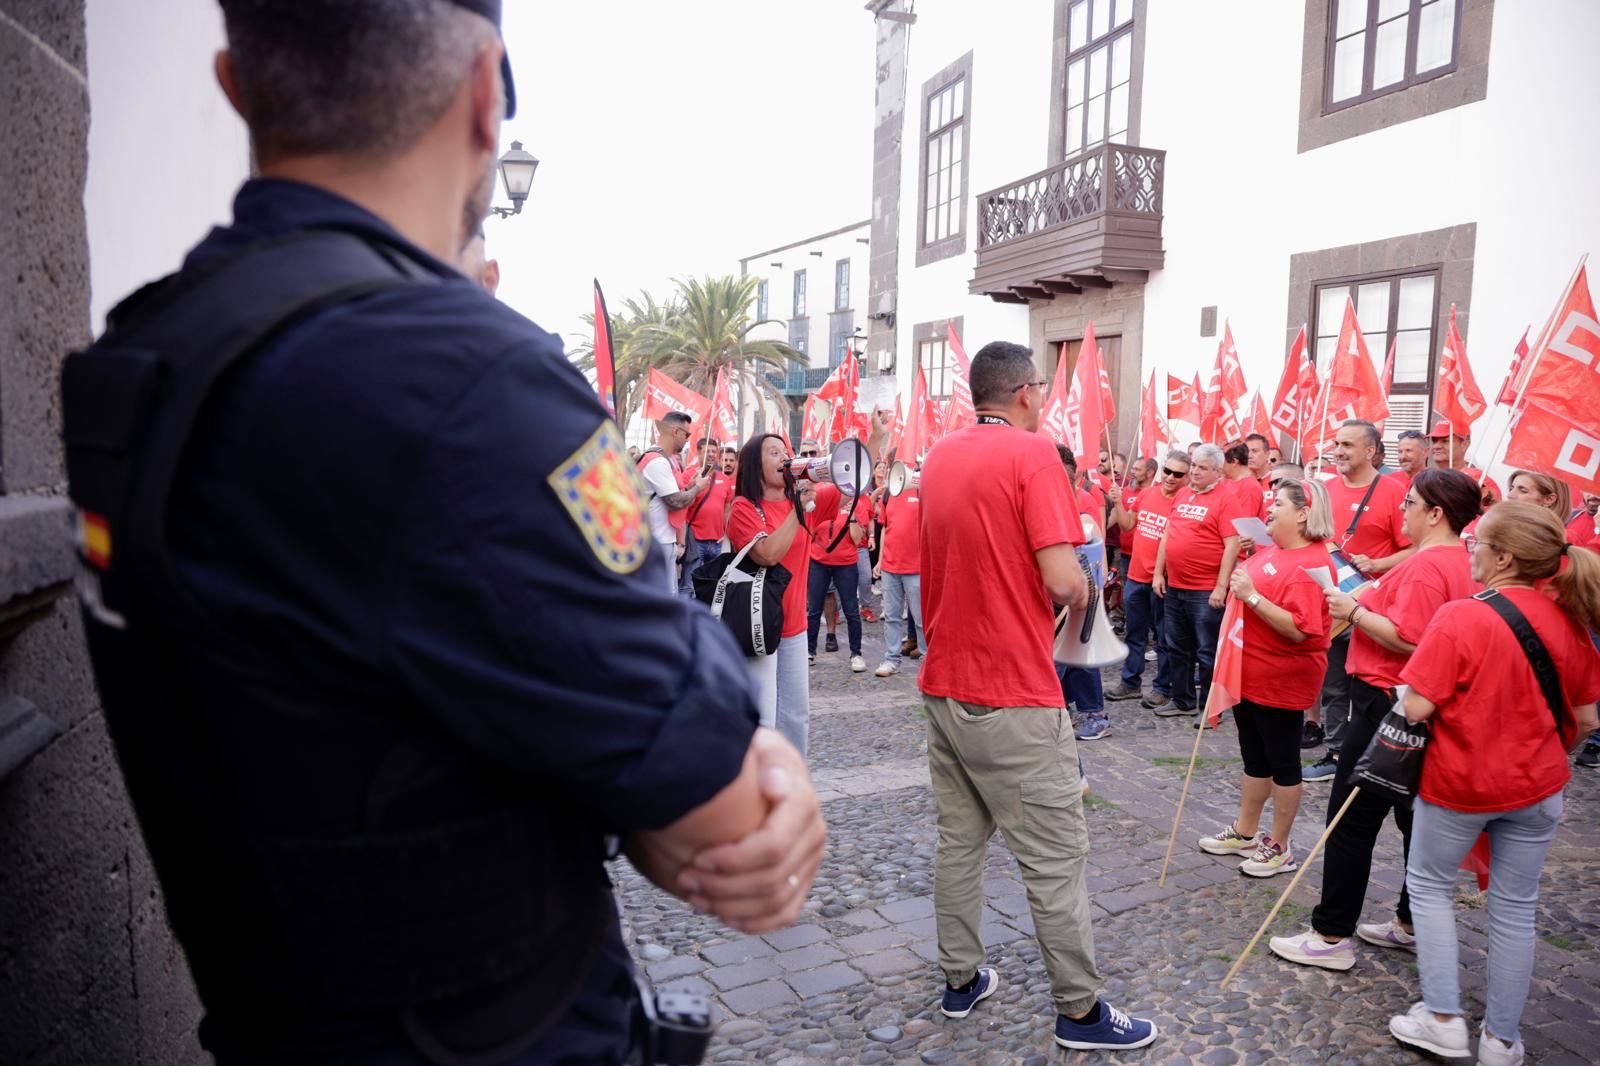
(1194, 757)
(1322, 420)
(1538, 353)
(1276, 907)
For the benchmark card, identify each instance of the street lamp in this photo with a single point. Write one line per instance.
(516, 171)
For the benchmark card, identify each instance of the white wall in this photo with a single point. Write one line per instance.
(166, 151)
(1240, 200)
(1010, 41)
(819, 287)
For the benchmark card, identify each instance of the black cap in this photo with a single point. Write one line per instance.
(490, 9)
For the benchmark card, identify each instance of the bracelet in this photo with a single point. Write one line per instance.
(1355, 614)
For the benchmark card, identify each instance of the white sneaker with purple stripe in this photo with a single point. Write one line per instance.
(1387, 935)
(1309, 949)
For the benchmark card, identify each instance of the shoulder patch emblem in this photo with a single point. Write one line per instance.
(603, 493)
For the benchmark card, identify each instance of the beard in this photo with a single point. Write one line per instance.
(476, 206)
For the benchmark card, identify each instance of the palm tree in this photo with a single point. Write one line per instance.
(636, 346)
(711, 333)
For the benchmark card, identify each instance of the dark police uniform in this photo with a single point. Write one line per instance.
(436, 668)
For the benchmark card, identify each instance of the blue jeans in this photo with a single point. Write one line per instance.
(691, 559)
(901, 591)
(1143, 611)
(1190, 634)
(783, 689)
(843, 579)
(705, 551)
(1518, 842)
(1081, 688)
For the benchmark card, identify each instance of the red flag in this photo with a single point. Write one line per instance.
(897, 429)
(605, 363)
(1219, 413)
(1551, 441)
(1152, 431)
(1456, 396)
(1309, 392)
(1566, 358)
(813, 424)
(1354, 389)
(959, 411)
(722, 411)
(1053, 418)
(1508, 395)
(834, 387)
(1232, 374)
(1288, 401)
(662, 394)
(918, 436)
(1183, 401)
(1386, 379)
(1227, 679)
(1085, 408)
(1477, 861)
(1259, 422)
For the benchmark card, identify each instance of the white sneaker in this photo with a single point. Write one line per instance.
(1309, 949)
(1492, 1051)
(1418, 1028)
(1230, 841)
(886, 668)
(1387, 935)
(858, 665)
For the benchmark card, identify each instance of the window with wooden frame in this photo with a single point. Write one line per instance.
(1099, 73)
(799, 334)
(942, 172)
(841, 285)
(1377, 47)
(838, 349)
(799, 294)
(1400, 307)
(761, 300)
(934, 358)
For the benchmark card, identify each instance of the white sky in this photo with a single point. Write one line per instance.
(674, 138)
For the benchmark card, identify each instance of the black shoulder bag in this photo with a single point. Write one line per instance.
(1544, 668)
(747, 597)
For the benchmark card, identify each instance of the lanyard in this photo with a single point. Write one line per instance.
(992, 420)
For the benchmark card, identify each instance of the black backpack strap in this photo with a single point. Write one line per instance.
(167, 355)
(1361, 509)
(1544, 668)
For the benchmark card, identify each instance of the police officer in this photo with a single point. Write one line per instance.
(368, 593)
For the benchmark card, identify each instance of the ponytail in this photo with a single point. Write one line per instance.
(1578, 587)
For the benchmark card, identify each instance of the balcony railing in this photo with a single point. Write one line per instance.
(1074, 189)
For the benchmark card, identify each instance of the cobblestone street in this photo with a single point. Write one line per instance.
(856, 980)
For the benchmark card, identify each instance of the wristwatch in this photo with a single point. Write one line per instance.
(1255, 598)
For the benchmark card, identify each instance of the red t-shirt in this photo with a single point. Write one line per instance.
(708, 524)
(902, 526)
(996, 495)
(1494, 745)
(831, 517)
(1268, 494)
(1091, 505)
(744, 523)
(1195, 531)
(1380, 532)
(1251, 502)
(1279, 672)
(1150, 521)
(1401, 477)
(1490, 487)
(1409, 596)
(1581, 531)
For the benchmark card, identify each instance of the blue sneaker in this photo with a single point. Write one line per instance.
(1322, 771)
(1094, 727)
(960, 1004)
(1115, 1031)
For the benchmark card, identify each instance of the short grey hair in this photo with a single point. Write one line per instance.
(1209, 453)
(1178, 455)
(1294, 470)
(363, 78)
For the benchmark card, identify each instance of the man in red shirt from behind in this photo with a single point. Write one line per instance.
(1194, 564)
(999, 526)
(1246, 487)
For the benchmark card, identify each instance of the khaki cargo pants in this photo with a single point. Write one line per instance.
(1015, 768)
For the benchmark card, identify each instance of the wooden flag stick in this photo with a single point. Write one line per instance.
(1173, 839)
(1305, 865)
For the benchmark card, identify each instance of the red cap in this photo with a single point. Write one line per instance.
(1441, 429)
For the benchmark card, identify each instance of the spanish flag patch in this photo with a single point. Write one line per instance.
(604, 496)
(94, 539)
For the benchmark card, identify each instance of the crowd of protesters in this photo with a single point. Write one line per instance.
(1358, 598)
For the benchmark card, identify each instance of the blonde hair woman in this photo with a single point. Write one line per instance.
(1286, 627)
(1496, 763)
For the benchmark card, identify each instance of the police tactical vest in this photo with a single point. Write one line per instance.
(462, 887)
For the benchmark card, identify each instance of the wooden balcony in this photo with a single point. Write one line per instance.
(1089, 221)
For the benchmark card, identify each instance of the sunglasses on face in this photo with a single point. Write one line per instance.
(1025, 384)
(808, 455)
(1167, 471)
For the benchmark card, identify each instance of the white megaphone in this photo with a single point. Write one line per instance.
(1084, 638)
(847, 468)
(902, 477)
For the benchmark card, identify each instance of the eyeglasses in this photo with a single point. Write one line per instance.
(1025, 384)
(808, 455)
(1167, 471)
(1471, 542)
(1275, 482)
